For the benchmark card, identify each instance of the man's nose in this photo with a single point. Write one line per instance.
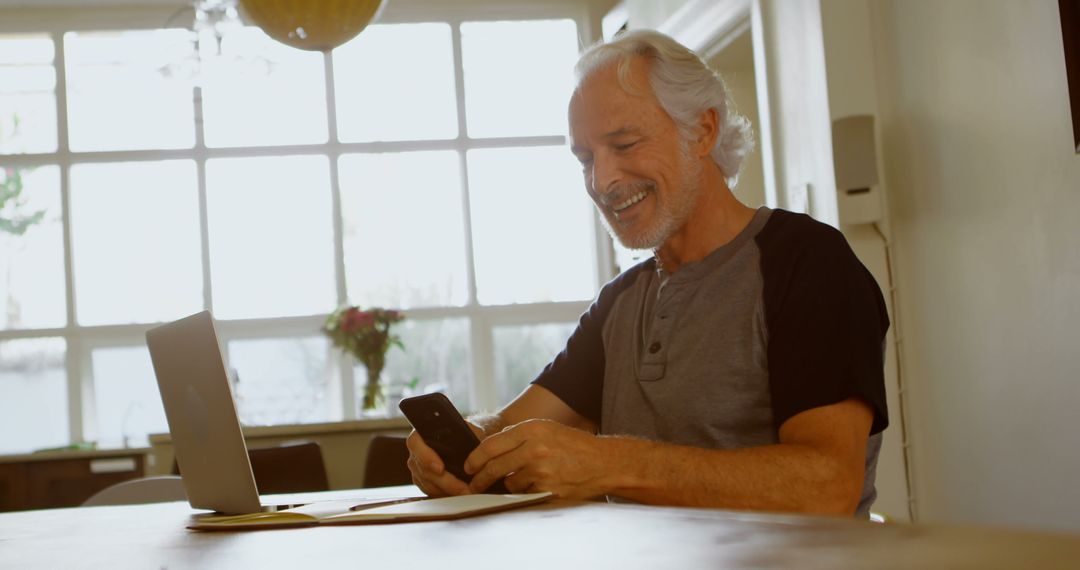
(605, 174)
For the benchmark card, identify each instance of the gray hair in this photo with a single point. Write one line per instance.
(684, 86)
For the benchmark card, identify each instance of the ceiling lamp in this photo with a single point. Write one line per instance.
(316, 25)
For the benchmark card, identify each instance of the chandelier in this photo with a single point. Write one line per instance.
(315, 25)
(311, 25)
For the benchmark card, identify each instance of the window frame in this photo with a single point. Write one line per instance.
(81, 340)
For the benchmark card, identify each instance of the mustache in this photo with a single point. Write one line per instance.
(619, 193)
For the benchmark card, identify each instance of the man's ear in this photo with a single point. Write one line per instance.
(708, 129)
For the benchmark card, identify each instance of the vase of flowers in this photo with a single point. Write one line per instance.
(365, 334)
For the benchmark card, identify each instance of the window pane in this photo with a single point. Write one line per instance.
(518, 76)
(627, 258)
(532, 226)
(33, 409)
(118, 95)
(127, 397)
(283, 381)
(271, 236)
(521, 352)
(396, 82)
(27, 94)
(404, 229)
(262, 92)
(436, 355)
(31, 249)
(135, 235)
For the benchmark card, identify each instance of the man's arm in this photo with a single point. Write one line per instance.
(534, 403)
(818, 466)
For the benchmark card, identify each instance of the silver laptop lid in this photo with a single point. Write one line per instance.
(202, 417)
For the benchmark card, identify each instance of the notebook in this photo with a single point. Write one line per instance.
(371, 512)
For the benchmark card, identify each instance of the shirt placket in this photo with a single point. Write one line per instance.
(660, 327)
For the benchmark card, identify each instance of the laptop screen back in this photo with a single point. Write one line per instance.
(202, 416)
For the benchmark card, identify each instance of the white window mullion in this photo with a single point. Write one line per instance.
(483, 354)
(204, 219)
(345, 362)
(459, 91)
(88, 425)
(483, 393)
(73, 353)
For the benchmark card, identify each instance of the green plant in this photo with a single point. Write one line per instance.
(13, 219)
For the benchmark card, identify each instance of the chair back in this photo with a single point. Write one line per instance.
(288, 468)
(293, 468)
(386, 462)
(161, 489)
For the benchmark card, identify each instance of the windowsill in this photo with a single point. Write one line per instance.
(74, 454)
(293, 430)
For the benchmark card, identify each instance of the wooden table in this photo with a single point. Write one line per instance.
(557, 535)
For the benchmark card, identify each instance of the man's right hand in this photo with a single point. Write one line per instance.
(428, 471)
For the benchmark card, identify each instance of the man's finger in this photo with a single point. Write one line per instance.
(447, 484)
(496, 469)
(424, 455)
(494, 446)
(523, 481)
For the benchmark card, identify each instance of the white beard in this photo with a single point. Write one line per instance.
(671, 212)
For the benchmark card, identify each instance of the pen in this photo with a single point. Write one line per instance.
(383, 503)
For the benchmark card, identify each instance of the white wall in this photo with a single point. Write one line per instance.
(984, 193)
(849, 61)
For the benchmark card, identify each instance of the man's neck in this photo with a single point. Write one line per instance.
(716, 219)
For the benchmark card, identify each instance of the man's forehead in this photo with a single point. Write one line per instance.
(606, 107)
(631, 78)
(622, 131)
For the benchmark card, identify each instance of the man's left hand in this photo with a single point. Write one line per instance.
(541, 455)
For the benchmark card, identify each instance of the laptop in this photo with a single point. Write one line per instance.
(201, 412)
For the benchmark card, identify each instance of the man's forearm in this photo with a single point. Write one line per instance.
(781, 477)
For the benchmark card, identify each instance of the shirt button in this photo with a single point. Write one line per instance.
(654, 348)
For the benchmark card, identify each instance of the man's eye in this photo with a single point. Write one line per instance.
(625, 146)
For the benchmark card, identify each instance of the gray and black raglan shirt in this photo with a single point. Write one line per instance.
(719, 354)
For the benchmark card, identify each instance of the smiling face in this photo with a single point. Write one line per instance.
(637, 166)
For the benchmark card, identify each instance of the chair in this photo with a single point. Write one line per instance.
(386, 462)
(161, 489)
(289, 468)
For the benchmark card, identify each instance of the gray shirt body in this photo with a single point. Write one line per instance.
(686, 357)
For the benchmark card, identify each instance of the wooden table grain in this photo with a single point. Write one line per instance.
(557, 535)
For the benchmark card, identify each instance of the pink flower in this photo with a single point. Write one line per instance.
(351, 320)
(365, 319)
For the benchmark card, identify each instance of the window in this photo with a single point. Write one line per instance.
(422, 166)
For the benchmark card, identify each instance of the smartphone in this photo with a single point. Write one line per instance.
(445, 431)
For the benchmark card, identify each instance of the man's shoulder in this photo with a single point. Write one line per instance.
(796, 232)
(627, 278)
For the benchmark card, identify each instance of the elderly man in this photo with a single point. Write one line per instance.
(740, 367)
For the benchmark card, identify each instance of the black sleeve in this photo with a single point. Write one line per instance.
(826, 320)
(576, 375)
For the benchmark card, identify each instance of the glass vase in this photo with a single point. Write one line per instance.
(373, 402)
